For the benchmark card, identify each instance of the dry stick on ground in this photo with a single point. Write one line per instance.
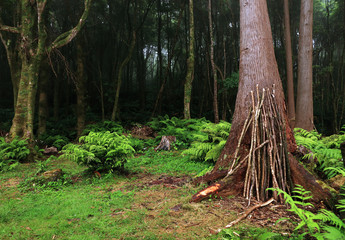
(245, 214)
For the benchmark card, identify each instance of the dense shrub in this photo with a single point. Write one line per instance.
(101, 151)
(57, 141)
(209, 148)
(106, 126)
(12, 152)
(186, 131)
(325, 150)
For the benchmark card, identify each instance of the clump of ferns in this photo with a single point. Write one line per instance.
(325, 150)
(321, 225)
(210, 147)
(186, 131)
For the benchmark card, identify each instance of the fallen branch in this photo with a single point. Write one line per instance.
(245, 214)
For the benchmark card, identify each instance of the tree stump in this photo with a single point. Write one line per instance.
(165, 143)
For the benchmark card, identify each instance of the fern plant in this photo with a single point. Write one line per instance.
(325, 150)
(186, 131)
(11, 153)
(322, 225)
(100, 151)
(209, 149)
(57, 141)
(106, 126)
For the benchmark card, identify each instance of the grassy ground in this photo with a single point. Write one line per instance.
(149, 201)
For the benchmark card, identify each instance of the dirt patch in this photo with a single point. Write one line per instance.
(10, 183)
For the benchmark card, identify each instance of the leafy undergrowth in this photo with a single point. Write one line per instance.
(151, 201)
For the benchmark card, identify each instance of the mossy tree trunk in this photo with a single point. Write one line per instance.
(190, 64)
(33, 47)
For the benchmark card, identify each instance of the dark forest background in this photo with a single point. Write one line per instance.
(159, 58)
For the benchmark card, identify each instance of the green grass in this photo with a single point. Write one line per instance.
(115, 206)
(166, 162)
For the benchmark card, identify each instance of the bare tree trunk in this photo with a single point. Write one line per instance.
(43, 97)
(190, 64)
(256, 155)
(289, 69)
(214, 71)
(304, 106)
(119, 76)
(80, 85)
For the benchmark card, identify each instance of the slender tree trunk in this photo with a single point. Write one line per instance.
(43, 97)
(119, 76)
(289, 68)
(304, 106)
(214, 71)
(190, 64)
(80, 85)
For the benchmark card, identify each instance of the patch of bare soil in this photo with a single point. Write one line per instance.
(10, 183)
(166, 200)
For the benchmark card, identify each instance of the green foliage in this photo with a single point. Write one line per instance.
(57, 141)
(11, 153)
(185, 130)
(209, 149)
(165, 162)
(101, 151)
(249, 233)
(322, 225)
(106, 126)
(39, 183)
(325, 150)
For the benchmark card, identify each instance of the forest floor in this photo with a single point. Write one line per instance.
(150, 201)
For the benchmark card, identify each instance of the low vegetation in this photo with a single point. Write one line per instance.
(112, 185)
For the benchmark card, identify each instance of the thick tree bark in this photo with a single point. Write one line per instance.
(190, 64)
(258, 70)
(214, 71)
(289, 69)
(304, 105)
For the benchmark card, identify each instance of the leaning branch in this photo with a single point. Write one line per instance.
(68, 36)
(9, 29)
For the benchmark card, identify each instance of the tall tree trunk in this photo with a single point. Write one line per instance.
(43, 110)
(190, 64)
(289, 68)
(33, 46)
(80, 85)
(304, 105)
(214, 71)
(119, 76)
(256, 155)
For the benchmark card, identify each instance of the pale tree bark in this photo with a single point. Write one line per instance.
(257, 154)
(304, 104)
(214, 71)
(289, 67)
(190, 64)
(33, 47)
